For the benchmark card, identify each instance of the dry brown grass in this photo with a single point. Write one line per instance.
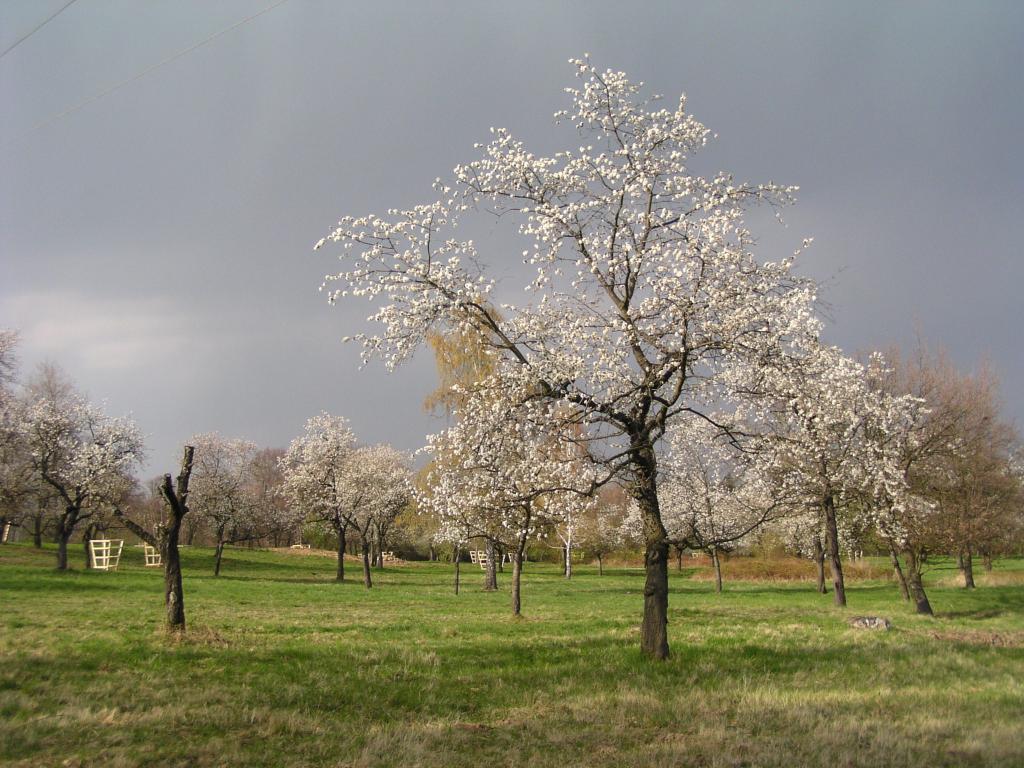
(984, 578)
(779, 569)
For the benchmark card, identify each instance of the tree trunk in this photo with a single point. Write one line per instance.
(65, 527)
(367, 580)
(86, 538)
(654, 628)
(679, 559)
(457, 556)
(340, 574)
(219, 555)
(968, 570)
(376, 553)
(819, 562)
(600, 565)
(832, 543)
(62, 551)
(916, 586)
(987, 562)
(491, 572)
(568, 559)
(900, 578)
(177, 499)
(517, 570)
(716, 561)
(174, 594)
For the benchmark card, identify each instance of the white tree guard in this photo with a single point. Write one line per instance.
(105, 553)
(152, 555)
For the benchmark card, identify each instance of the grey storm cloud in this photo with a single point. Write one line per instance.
(156, 242)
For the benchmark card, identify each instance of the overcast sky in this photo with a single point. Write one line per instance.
(156, 242)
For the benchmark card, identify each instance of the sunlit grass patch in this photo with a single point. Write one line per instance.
(282, 666)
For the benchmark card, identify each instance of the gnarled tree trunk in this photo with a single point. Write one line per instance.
(177, 500)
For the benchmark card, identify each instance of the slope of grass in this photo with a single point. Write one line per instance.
(283, 667)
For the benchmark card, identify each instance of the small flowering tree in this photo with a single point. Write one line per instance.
(345, 487)
(223, 490)
(600, 526)
(646, 288)
(500, 476)
(803, 531)
(375, 488)
(314, 469)
(86, 457)
(823, 408)
(715, 497)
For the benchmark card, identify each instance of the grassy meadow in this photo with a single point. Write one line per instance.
(281, 666)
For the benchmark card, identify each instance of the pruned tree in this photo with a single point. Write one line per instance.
(164, 536)
(647, 289)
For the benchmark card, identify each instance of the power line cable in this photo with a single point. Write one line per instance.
(117, 86)
(31, 32)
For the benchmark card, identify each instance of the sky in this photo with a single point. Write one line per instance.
(158, 211)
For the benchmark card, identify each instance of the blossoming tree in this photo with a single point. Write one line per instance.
(314, 468)
(331, 481)
(224, 490)
(821, 409)
(499, 474)
(646, 286)
(714, 496)
(86, 456)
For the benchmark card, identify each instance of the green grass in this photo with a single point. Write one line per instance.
(283, 667)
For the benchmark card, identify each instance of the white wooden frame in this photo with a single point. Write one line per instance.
(105, 553)
(152, 555)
